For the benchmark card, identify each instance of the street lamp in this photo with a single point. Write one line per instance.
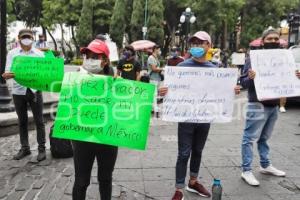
(5, 98)
(145, 29)
(187, 18)
(294, 28)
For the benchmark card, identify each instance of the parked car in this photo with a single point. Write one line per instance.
(296, 52)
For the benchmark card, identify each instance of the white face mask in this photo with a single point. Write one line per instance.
(92, 65)
(26, 41)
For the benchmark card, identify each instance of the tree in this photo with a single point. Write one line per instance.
(258, 15)
(156, 21)
(118, 22)
(28, 11)
(85, 28)
(137, 20)
(102, 13)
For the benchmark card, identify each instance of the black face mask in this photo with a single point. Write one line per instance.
(271, 45)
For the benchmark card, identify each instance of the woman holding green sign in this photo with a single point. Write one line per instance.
(96, 61)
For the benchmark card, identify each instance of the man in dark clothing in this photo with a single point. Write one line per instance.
(128, 67)
(260, 119)
(175, 57)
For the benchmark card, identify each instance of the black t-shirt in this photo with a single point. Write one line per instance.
(129, 68)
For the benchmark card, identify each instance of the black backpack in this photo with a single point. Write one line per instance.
(60, 148)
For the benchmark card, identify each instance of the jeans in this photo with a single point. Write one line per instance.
(35, 100)
(191, 141)
(259, 126)
(84, 156)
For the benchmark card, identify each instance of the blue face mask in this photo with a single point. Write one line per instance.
(197, 52)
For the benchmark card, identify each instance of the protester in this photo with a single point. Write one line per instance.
(153, 63)
(41, 44)
(155, 74)
(192, 136)
(260, 120)
(175, 57)
(96, 61)
(23, 96)
(128, 67)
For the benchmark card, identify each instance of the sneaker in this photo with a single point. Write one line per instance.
(41, 155)
(178, 196)
(21, 154)
(250, 178)
(272, 171)
(198, 189)
(282, 109)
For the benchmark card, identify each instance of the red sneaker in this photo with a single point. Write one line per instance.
(178, 196)
(199, 189)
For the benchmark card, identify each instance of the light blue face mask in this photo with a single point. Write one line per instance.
(197, 52)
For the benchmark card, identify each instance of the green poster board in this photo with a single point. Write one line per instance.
(101, 109)
(44, 74)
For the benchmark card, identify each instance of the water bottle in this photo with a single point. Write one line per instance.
(217, 190)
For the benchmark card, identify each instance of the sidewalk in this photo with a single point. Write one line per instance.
(150, 174)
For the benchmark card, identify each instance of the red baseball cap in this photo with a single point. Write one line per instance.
(96, 46)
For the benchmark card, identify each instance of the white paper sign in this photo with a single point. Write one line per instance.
(238, 58)
(113, 55)
(199, 95)
(275, 74)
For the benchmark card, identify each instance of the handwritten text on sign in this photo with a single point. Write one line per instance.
(104, 110)
(275, 74)
(200, 95)
(45, 74)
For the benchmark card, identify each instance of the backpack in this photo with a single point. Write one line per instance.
(60, 148)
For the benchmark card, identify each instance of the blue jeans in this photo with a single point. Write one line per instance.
(260, 121)
(191, 141)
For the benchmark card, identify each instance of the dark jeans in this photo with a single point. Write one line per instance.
(35, 100)
(84, 156)
(191, 141)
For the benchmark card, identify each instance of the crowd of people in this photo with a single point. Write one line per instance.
(261, 115)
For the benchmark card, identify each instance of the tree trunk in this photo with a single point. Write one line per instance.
(44, 32)
(54, 41)
(62, 40)
(75, 42)
(224, 41)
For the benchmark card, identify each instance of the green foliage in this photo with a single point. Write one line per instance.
(155, 21)
(85, 29)
(137, 20)
(28, 11)
(118, 22)
(258, 15)
(77, 61)
(102, 13)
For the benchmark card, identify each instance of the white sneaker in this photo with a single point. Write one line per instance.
(272, 171)
(282, 109)
(250, 178)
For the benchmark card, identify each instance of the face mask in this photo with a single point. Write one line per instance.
(174, 54)
(127, 55)
(26, 41)
(197, 52)
(92, 65)
(272, 45)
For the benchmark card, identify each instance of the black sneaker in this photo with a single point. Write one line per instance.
(21, 154)
(41, 155)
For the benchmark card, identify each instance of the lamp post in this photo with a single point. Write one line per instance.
(145, 29)
(294, 28)
(187, 18)
(5, 97)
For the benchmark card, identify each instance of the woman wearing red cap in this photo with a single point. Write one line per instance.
(96, 61)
